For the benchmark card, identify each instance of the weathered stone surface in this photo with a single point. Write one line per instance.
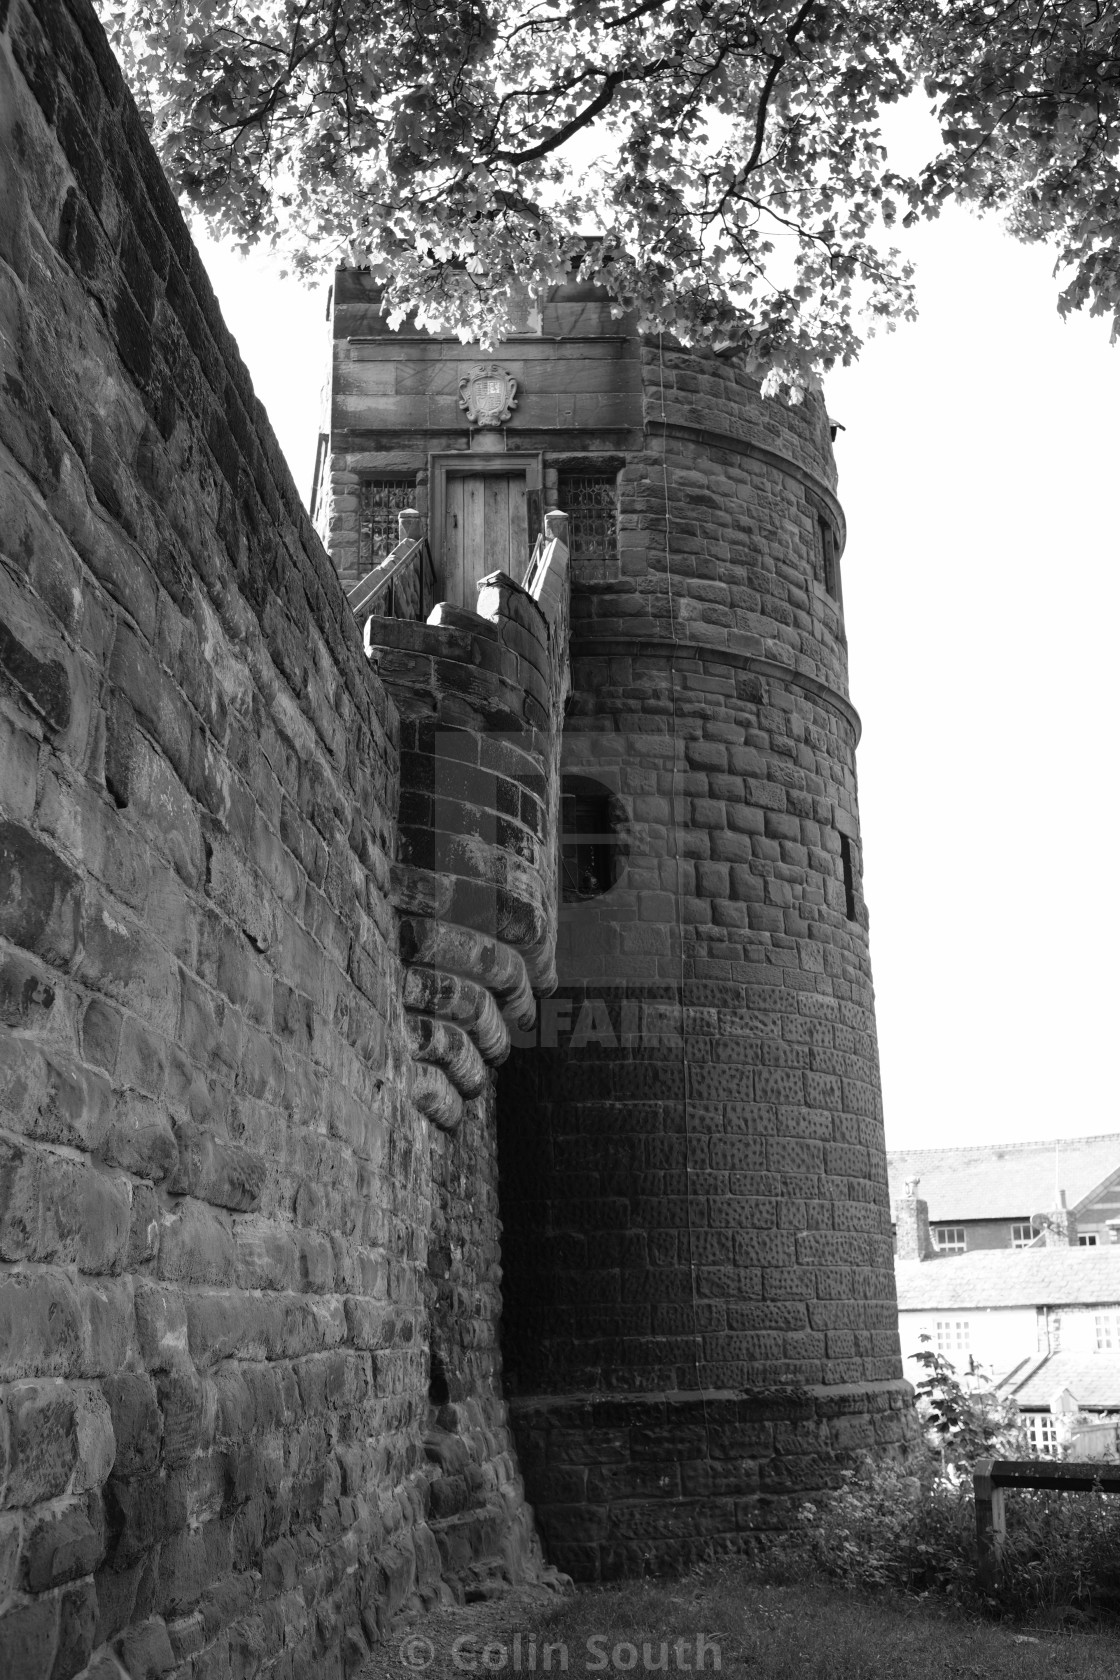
(207, 1141)
(248, 1171)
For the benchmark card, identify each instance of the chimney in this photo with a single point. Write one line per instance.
(911, 1224)
(1060, 1229)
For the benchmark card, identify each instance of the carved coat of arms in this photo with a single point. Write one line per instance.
(489, 395)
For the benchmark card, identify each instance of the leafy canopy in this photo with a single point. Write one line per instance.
(727, 153)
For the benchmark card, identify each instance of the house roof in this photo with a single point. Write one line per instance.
(1005, 1180)
(1011, 1277)
(1092, 1378)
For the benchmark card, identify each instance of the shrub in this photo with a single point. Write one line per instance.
(888, 1527)
(911, 1527)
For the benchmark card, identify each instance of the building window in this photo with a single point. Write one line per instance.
(1042, 1434)
(1087, 1239)
(590, 856)
(380, 500)
(829, 561)
(952, 1335)
(590, 500)
(1022, 1235)
(948, 1239)
(847, 860)
(1105, 1326)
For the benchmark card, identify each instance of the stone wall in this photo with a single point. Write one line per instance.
(226, 1222)
(700, 1327)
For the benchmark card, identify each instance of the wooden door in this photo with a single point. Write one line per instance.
(486, 529)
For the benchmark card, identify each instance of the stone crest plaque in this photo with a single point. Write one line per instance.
(489, 395)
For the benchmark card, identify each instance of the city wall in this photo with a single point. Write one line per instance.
(230, 1224)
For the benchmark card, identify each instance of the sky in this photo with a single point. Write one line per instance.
(979, 475)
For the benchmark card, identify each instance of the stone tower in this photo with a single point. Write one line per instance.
(699, 1319)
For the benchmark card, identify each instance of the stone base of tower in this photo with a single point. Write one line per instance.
(650, 1484)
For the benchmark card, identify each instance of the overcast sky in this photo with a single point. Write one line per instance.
(979, 473)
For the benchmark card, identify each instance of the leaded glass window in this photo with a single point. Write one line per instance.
(590, 500)
(380, 500)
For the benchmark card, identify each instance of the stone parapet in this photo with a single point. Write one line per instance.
(474, 881)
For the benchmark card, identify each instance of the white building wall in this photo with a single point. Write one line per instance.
(1089, 1329)
(997, 1338)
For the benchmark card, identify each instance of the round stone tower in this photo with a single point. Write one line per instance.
(699, 1324)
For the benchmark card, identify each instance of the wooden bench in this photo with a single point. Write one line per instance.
(991, 1477)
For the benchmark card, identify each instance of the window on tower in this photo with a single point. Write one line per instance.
(848, 864)
(591, 855)
(829, 556)
(380, 501)
(589, 497)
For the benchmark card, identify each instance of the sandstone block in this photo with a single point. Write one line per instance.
(27, 995)
(268, 1256)
(90, 1212)
(188, 1406)
(40, 896)
(101, 1034)
(215, 1170)
(19, 763)
(152, 695)
(196, 1245)
(119, 957)
(77, 1624)
(42, 1429)
(61, 1542)
(161, 1326)
(142, 1511)
(143, 1228)
(29, 1637)
(42, 1332)
(49, 1097)
(136, 1420)
(209, 1030)
(142, 1058)
(42, 682)
(236, 890)
(139, 1138)
(145, 1650)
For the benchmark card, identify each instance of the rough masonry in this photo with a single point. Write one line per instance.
(228, 1221)
(698, 1324)
(322, 936)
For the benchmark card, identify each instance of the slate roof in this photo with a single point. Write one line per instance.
(1011, 1277)
(1004, 1180)
(1092, 1378)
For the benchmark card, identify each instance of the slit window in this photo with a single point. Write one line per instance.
(590, 500)
(829, 558)
(847, 860)
(380, 501)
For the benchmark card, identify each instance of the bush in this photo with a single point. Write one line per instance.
(911, 1527)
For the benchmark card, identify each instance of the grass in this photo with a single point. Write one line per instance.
(769, 1631)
